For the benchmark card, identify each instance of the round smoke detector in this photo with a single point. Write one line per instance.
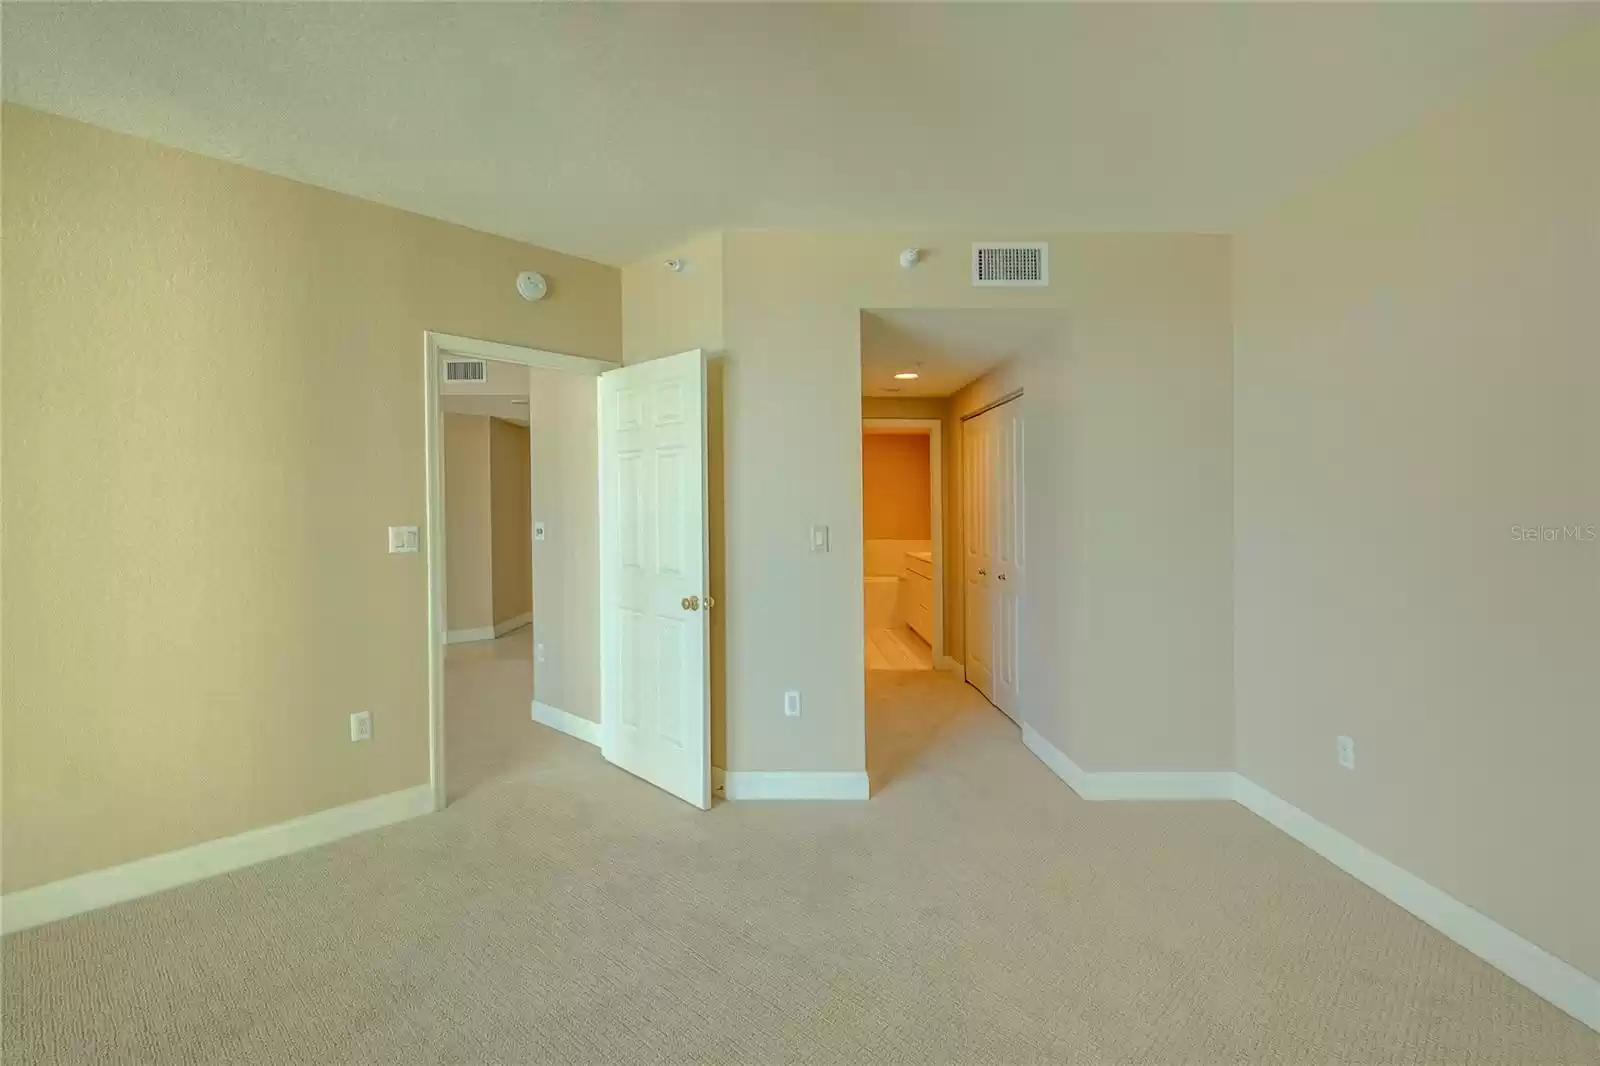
(532, 286)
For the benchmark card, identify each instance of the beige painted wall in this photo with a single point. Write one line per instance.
(510, 519)
(903, 407)
(212, 410)
(665, 312)
(1151, 356)
(1417, 373)
(468, 534)
(562, 410)
(895, 491)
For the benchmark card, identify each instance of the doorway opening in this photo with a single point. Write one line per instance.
(615, 534)
(956, 376)
(903, 544)
(512, 557)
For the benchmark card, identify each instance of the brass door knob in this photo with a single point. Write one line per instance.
(1002, 577)
(710, 601)
(691, 603)
(983, 573)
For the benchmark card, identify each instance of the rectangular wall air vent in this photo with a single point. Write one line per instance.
(1020, 265)
(465, 370)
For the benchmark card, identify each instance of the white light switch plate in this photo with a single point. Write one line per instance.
(819, 538)
(361, 726)
(538, 531)
(403, 539)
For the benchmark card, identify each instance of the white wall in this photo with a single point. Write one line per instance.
(1417, 373)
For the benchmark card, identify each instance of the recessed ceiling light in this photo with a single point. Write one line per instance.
(906, 375)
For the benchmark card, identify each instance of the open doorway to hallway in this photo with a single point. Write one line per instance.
(943, 444)
(514, 560)
(488, 662)
(617, 530)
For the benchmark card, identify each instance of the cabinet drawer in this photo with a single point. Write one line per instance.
(917, 590)
(921, 623)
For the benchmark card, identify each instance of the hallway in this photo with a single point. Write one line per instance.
(489, 730)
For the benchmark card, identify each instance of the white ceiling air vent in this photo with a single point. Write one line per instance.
(1011, 265)
(465, 370)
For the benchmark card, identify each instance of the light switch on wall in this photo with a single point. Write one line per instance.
(819, 538)
(403, 539)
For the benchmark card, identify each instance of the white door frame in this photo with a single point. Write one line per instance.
(436, 347)
(936, 508)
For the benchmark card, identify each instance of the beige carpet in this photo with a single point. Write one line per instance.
(973, 911)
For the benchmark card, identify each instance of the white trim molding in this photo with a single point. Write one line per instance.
(143, 877)
(512, 624)
(796, 785)
(1130, 785)
(1563, 985)
(1055, 759)
(467, 636)
(575, 725)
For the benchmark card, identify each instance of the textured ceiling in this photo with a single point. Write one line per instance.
(612, 130)
(947, 349)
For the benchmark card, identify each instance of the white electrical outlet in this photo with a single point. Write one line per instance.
(538, 653)
(361, 725)
(791, 704)
(1347, 753)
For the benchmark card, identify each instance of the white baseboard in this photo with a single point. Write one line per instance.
(1055, 759)
(142, 877)
(467, 636)
(1542, 973)
(567, 722)
(1130, 785)
(1528, 964)
(502, 628)
(796, 785)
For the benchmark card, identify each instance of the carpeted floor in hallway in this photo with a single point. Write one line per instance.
(973, 911)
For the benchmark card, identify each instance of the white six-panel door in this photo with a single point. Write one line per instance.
(993, 552)
(655, 695)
